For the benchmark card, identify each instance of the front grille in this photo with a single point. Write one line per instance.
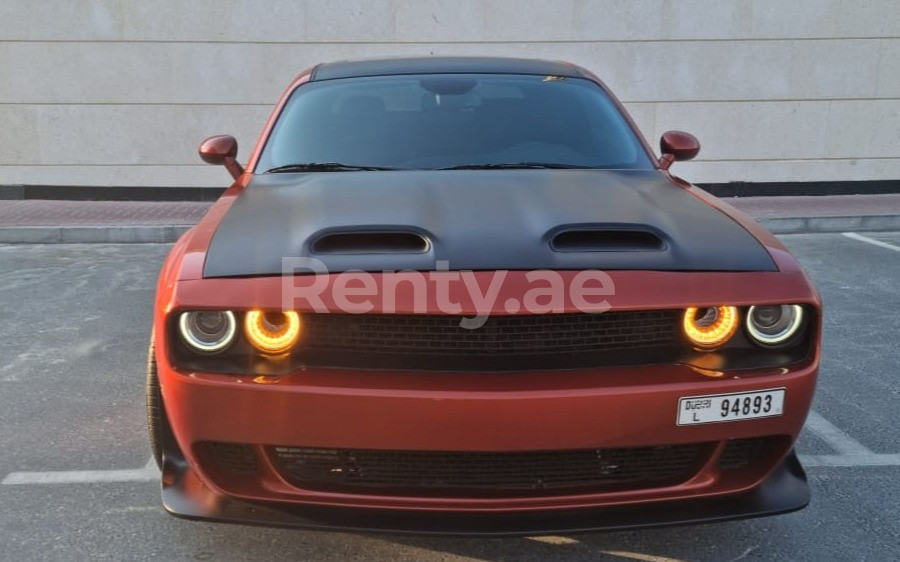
(477, 474)
(520, 342)
(519, 334)
(740, 453)
(235, 458)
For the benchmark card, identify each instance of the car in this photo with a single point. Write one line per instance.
(463, 296)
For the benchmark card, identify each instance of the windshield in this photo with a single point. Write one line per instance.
(440, 121)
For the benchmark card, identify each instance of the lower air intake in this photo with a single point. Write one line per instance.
(740, 453)
(477, 474)
(233, 457)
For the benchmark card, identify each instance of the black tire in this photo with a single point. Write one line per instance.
(157, 422)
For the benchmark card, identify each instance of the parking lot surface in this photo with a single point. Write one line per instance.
(75, 485)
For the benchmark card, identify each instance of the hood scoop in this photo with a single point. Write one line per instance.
(606, 240)
(370, 242)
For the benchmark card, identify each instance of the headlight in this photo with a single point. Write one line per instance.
(272, 332)
(710, 327)
(774, 325)
(207, 331)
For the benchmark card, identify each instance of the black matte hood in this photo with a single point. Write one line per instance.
(479, 220)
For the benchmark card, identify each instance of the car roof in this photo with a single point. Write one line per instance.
(445, 65)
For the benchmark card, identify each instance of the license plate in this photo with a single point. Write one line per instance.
(717, 408)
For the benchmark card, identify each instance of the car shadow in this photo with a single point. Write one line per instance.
(780, 537)
(721, 542)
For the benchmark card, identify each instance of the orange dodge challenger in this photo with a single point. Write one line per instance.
(463, 296)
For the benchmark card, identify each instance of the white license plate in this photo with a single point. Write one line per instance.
(717, 408)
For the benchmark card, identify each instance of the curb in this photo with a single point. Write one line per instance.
(162, 234)
(807, 225)
(91, 234)
(109, 193)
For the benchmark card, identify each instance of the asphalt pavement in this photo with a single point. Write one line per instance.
(74, 483)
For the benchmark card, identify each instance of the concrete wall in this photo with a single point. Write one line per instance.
(120, 92)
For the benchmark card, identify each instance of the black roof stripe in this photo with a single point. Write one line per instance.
(444, 65)
(314, 71)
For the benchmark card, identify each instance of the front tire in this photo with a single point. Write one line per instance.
(157, 422)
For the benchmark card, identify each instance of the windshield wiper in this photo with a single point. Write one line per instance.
(324, 167)
(517, 165)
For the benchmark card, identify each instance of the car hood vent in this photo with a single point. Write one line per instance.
(606, 240)
(370, 242)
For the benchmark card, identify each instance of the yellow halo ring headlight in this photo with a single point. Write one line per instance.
(713, 328)
(272, 332)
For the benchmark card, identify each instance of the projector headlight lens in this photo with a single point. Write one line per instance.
(710, 327)
(774, 325)
(272, 333)
(207, 331)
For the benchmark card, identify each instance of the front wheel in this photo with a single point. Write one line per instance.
(157, 422)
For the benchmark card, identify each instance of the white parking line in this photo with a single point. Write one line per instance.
(81, 476)
(872, 241)
(639, 556)
(872, 459)
(851, 453)
(148, 473)
(837, 439)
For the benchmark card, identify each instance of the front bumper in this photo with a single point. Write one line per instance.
(497, 412)
(184, 494)
(464, 412)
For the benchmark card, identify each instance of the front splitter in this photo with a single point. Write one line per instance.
(184, 495)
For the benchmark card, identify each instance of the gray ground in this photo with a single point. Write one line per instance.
(72, 347)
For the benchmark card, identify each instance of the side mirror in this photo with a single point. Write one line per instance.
(222, 150)
(677, 145)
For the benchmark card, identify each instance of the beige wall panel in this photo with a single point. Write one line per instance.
(48, 72)
(444, 20)
(121, 91)
(121, 134)
(789, 170)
